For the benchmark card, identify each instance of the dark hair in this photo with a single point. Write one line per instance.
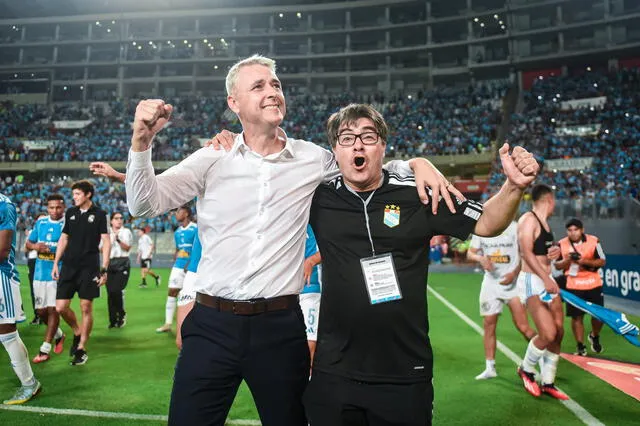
(186, 208)
(540, 191)
(84, 186)
(575, 222)
(115, 212)
(55, 197)
(349, 115)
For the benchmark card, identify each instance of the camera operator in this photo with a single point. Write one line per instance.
(581, 257)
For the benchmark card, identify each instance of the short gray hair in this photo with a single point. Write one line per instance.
(232, 75)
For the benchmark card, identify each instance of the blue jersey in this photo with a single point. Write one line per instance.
(8, 218)
(46, 231)
(311, 248)
(196, 252)
(184, 237)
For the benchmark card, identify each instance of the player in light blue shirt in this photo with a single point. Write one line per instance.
(310, 294)
(184, 237)
(44, 239)
(11, 306)
(187, 295)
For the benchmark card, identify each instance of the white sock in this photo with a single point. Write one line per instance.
(59, 333)
(531, 357)
(172, 302)
(19, 357)
(45, 348)
(550, 367)
(490, 364)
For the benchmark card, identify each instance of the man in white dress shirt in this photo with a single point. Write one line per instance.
(253, 204)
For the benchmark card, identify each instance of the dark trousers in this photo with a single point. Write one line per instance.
(117, 279)
(31, 264)
(220, 349)
(337, 401)
(116, 306)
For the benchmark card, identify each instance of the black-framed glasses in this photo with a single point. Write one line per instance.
(367, 138)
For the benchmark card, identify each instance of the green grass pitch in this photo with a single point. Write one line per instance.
(130, 369)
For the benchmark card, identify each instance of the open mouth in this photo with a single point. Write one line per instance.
(359, 162)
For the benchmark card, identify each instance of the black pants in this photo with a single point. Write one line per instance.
(117, 279)
(220, 349)
(31, 264)
(336, 401)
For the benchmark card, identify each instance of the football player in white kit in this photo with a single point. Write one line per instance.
(500, 258)
(310, 294)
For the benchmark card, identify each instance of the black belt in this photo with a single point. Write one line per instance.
(248, 307)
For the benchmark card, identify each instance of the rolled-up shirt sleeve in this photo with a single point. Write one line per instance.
(149, 195)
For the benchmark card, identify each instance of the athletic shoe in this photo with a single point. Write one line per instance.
(158, 281)
(164, 329)
(59, 344)
(41, 357)
(142, 285)
(122, 322)
(80, 358)
(595, 343)
(553, 391)
(529, 381)
(581, 351)
(487, 374)
(24, 394)
(74, 345)
(36, 321)
(111, 325)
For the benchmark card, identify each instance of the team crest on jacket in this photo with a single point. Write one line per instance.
(391, 215)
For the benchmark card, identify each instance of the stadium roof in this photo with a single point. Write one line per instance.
(40, 8)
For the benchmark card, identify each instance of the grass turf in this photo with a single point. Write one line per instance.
(130, 369)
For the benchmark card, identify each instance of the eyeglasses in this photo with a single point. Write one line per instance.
(367, 138)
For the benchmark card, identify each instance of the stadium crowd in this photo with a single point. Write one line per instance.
(609, 134)
(438, 122)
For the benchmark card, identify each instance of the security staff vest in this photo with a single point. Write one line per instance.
(585, 279)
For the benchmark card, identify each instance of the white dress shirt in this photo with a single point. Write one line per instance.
(126, 237)
(252, 211)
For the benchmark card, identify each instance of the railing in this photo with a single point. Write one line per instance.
(597, 208)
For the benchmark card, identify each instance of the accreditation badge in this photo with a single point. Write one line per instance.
(381, 278)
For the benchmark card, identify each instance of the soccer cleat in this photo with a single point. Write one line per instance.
(529, 382)
(41, 357)
(142, 285)
(24, 394)
(59, 345)
(164, 329)
(74, 345)
(487, 374)
(36, 321)
(553, 391)
(581, 350)
(158, 281)
(595, 343)
(80, 357)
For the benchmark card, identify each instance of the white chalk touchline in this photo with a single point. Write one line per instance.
(586, 417)
(109, 414)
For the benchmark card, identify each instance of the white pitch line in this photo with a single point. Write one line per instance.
(582, 414)
(109, 414)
